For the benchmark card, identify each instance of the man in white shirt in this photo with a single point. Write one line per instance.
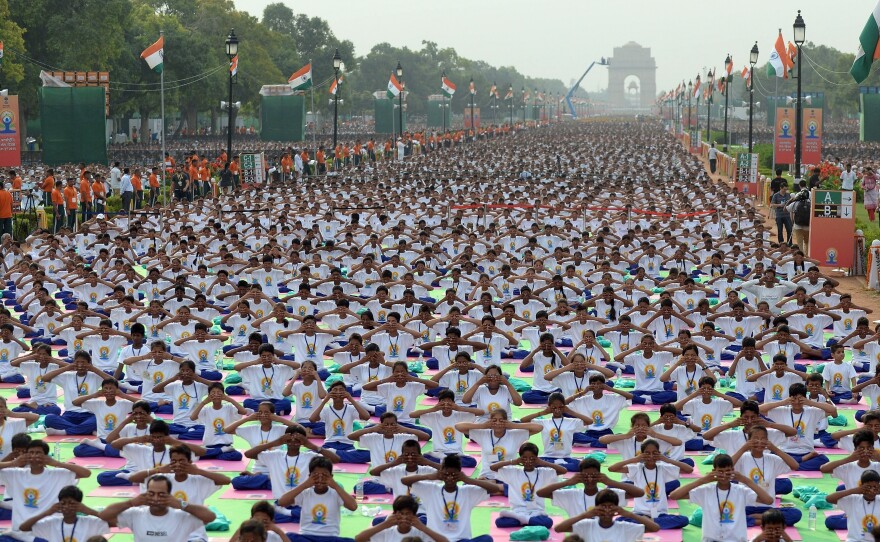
(157, 516)
(126, 189)
(848, 178)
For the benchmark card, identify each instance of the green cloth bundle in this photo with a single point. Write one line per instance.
(232, 378)
(598, 456)
(220, 523)
(711, 457)
(531, 533)
(519, 385)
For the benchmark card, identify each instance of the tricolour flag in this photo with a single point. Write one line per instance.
(780, 62)
(233, 66)
(792, 53)
(473, 89)
(334, 84)
(447, 87)
(394, 87)
(746, 75)
(1, 50)
(697, 87)
(729, 67)
(493, 91)
(301, 79)
(509, 95)
(869, 47)
(155, 54)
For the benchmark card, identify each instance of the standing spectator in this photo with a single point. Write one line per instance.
(869, 185)
(5, 210)
(800, 205)
(848, 178)
(138, 189)
(71, 203)
(99, 197)
(226, 179)
(85, 196)
(713, 158)
(115, 178)
(777, 181)
(778, 201)
(154, 186)
(126, 189)
(58, 206)
(48, 186)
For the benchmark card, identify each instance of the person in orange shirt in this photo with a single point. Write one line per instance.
(154, 186)
(48, 186)
(286, 166)
(338, 157)
(307, 169)
(57, 199)
(322, 164)
(371, 150)
(138, 186)
(85, 197)
(98, 195)
(15, 180)
(5, 211)
(71, 203)
(387, 149)
(235, 168)
(170, 163)
(204, 181)
(193, 178)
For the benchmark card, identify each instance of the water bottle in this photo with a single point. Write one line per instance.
(56, 452)
(167, 342)
(811, 518)
(618, 374)
(359, 490)
(218, 359)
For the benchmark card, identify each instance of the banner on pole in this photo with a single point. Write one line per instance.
(747, 173)
(784, 136)
(832, 225)
(467, 117)
(811, 142)
(10, 132)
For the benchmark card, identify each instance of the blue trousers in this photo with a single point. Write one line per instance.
(108, 478)
(811, 464)
(73, 423)
(535, 521)
(348, 453)
(211, 374)
(84, 450)
(656, 397)
(783, 486)
(467, 461)
(591, 438)
(667, 521)
(859, 414)
(42, 410)
(836, 522)
(252, 481)
(417, 428)
(293, 517)
(196, 432)
(432, 364)
(535, 397)
(215, 451)
(374, 488)
(282, 406)
(167, 408)
(791, 515)
(317, 428)
(570, 463)
(826, 439)
(837, 398)
(12, 379)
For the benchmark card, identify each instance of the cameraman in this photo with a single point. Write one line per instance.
(800, 207)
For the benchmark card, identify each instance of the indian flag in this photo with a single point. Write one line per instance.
(493, 91)
(335, 84)
(394, 87)
(869, 47)
(302, 79)
(233, 66)
(473, 89)
(154, 54)
(1, 50)
(697, 87)
(780, 62)
(447, 87)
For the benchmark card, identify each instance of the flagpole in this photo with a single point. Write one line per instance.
(314, 115)
(162, 124)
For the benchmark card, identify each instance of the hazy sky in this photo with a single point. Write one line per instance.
(559, 38)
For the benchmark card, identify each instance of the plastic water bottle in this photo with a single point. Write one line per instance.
(618, 374)
(168, 342)
(56, 451)
(811, 518)
(359, 490)
(218, 359)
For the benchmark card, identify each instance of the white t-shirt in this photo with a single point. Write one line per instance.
(33, 494)
(724, 512)
(165, 528)
(620, 531)
(41, 393)
(215, 421)
(447, 439)
(77, 386)
(153, 374)
(339, 423)
(53, 528)
(10, 428)
(449, 513)
(495, 449)
(653, 482)
(306, 398)
(805, 423)
(648, 370)
(255, 435)
(575, 502)
(707, 416)
(558, 434)
(184, 398)
(762, 470)
(266, 383)
(604, 411)
(320, 512)
(285, 471)
(523, 487)
(839, 376)
(401, 400)
(861, 517)
(384, 450)
(391, 478)
(108, 417)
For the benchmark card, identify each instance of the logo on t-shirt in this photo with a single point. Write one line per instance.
(203, 356)
(706, 422)
(756, 475)
(306, 400)
(726, 510)
(448, 436)
(291, 477)
(499, 452)
(31, 497)
(527, 494)
(110, 422)
(104, 352)
(218, 426)
(338, 427)
(651, 494)
(650, 371)
(183, 401)
(452, 511)
(868, 523)
(319, 514)
(397, 404)
(777, 392)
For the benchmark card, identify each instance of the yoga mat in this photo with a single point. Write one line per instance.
(500, 534)
(812, 475)
(576, 450)
(102, 463)
(351, 468)
(215, 465)
(792, 533)
(251, 494)
(495, 501)
(664, 535)
(66, 438)
(672, 504)
(125, 492)
(644, 408)
(831, 451)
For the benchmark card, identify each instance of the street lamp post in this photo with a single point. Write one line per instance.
(753, 59)
(510, 93)
(711, 80)
(494, 102)
(399, 71)
(800, 31)
(524, 104)
(697, 107)
(727, 68)
(337, 63)
(231, 51)
(690, 93)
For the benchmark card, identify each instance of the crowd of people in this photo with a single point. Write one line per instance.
(558, 321)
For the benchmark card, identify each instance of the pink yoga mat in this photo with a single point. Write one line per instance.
(504, 534)
(644, 408)
(223, 466)
(250, 494)
(665, 535)
(577, 450)
(831, 451)
(102, 463)
(812, 475)
(351, 468)
(125, 492)
(495, 501)
(790, 531)
(672, 504)
(75, 439)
